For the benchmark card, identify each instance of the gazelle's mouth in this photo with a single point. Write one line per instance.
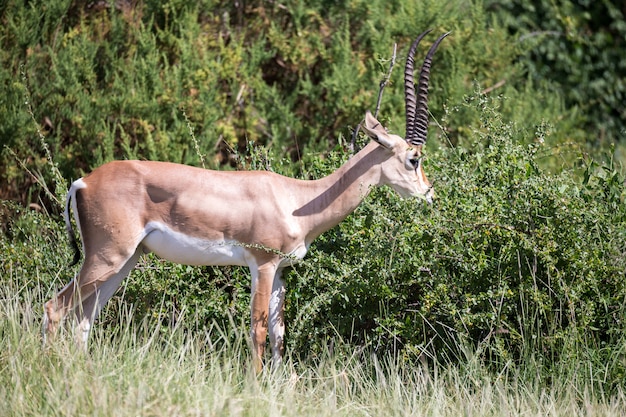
(429, 195)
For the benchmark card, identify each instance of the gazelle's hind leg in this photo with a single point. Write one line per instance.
(92, 305)
(98, 280)
(55, 309)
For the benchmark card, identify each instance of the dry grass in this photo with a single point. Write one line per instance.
(139, 370)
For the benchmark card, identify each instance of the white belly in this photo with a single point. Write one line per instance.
(188, 250)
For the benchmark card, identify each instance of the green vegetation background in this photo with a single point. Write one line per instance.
(520, 258)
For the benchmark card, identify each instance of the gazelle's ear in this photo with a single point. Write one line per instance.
(376, 131)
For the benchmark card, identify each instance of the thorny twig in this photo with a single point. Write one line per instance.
(382, 85)
(385, 80)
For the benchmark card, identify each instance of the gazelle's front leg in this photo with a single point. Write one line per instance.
(277, 319)
(262, 279)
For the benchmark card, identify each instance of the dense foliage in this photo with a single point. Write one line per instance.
(511, 261)
(121, 79)
(520, 258)
(575, 48)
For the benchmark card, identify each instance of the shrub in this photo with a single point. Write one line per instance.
(511, 259)
(517, 257)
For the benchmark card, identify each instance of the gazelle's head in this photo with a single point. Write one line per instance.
(404, 171)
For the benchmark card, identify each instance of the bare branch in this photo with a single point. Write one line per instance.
(382, 85)
(493, 87)
(385, 80)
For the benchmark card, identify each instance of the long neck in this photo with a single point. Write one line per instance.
(339, 194)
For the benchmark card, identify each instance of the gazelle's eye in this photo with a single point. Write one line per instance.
(415, 161)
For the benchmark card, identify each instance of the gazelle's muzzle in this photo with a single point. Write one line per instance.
(429, 196)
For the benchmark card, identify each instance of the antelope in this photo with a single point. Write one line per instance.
(257, 219)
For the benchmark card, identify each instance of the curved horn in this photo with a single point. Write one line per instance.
(409, 89)
(420, 125)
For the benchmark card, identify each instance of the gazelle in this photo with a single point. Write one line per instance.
(261, 220)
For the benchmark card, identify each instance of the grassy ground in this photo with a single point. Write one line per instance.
(136, 369)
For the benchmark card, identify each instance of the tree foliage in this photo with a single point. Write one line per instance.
(575, 49)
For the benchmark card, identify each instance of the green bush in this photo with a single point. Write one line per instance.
(115, 80)
(520, 257)
(510, 258)
(511, 261)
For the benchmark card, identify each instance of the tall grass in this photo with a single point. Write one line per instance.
(135, 369)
